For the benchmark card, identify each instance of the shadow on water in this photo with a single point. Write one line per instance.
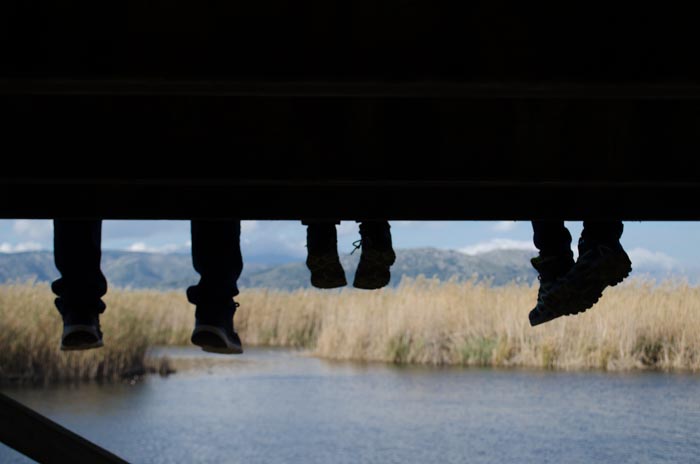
(277, 405)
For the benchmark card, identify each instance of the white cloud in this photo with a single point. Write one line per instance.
(142, 247)
(19, 247)
(505, 226)
(33, 229)
(641, 257)
(248, 226)
(497, 244)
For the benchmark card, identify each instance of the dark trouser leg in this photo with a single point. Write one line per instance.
(378, 233)
(551, 238)
(77, 253)
(322, 254)
(321, 236)
(373, 270)
(216, 256)
(604, 232)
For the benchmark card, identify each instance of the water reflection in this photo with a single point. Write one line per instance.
(281, 406)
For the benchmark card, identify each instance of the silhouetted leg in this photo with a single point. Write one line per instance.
(552, 238)
(601, 232)
(79, 290)
(77, 254)
(321, 236)
(216, 256)
(601, 263)
(373, 270)
(555, 260)
(322, 254)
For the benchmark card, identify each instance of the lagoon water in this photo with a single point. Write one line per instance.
(279, 406)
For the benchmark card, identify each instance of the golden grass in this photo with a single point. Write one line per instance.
(635, 326)
(31, 329)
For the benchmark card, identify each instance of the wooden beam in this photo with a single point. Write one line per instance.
(353, 89)
(45, 441)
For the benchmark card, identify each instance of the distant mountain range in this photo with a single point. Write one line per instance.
(174, 271)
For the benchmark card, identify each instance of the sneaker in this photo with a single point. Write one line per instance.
(326, 270)
(80, 332)
(215, 333)
(373, 270)
(551, 269)
(598, 267)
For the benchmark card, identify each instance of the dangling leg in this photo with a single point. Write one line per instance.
(79, 290)
(216, 256)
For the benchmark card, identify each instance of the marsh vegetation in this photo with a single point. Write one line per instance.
(637, 325)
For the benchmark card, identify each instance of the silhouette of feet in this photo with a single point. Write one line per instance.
(214, 332)
(80, 332)
(326, 270)
(598, 267)
(373, 270)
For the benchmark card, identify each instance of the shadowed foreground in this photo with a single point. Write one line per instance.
(635, 326)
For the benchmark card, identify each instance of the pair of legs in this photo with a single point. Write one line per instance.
(373, 270)
(568, 287)
(216, 256)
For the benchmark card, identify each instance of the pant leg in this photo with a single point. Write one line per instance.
(216, 256)
(373, 225)
(77, 254)
(552, 238)
(321, 236)
(606, 232)
(378, 233)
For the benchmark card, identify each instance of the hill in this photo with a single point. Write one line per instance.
(174, 271)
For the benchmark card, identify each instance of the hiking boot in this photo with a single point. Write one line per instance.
(551, 270)
(599, 266)
(214, 332)
(326, 270)
(373, 270)
(322, 258)
(80, 332)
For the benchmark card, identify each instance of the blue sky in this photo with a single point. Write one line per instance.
(671, 245)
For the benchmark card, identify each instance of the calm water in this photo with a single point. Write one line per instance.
(278, 406)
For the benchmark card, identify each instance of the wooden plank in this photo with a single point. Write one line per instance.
(398, 109)
(353, 89)
(415, 200)
(45, 441)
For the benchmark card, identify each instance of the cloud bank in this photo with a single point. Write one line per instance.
(6, 247)
(641, 258)
(497, 244)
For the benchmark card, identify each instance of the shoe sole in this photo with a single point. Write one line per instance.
(368, 284)
(602, 276)
(80, 337)
(328, 284)
(214, 340)
(374, 270)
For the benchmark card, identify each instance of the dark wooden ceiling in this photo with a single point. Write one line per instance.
(402, 109)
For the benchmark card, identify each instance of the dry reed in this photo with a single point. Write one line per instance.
(31, 329)
(636, 325)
